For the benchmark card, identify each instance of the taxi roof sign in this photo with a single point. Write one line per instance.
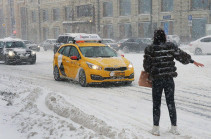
(72, 34)
(88, 37)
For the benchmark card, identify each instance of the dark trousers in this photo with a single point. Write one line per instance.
(158, 85)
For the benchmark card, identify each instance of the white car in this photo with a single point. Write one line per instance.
(201, 46)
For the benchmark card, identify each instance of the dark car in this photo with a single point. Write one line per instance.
(147, 41)
(65, 38)
(132, 45)
(111, 43)
(13, 51)
(31, 45)
(48, 44)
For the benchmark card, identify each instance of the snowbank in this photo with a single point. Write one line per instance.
(61, 107)
(19, 104)
(39, 113)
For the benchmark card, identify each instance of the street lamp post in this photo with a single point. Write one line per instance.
(151, 29)
(4, 27)
(12, 18)
(98, 16)
(90, 22)
(39, 24)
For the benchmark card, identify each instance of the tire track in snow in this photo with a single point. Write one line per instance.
(183, 103)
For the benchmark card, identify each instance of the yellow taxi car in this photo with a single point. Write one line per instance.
(89, 62)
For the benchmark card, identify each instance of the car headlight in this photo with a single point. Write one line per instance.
(119, 45)
(93, 66)
(38, 46)
(33, 52)
(11, 53)
(109, 45)
(130, 65)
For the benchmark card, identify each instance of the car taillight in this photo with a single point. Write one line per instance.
(190, 44)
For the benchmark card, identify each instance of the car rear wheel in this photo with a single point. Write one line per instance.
(82, 78)
(198, 51)
(56, 74)
(126, 49)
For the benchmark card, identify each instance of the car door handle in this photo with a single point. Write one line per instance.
(68, 61)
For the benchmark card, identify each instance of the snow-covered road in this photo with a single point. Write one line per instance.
(118, 111)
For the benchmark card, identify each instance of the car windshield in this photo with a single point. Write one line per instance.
(15, 44)
(98, 51)
(1, 44)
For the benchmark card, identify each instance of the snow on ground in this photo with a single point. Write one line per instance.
(33, 105)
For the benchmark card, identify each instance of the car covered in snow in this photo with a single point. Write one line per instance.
(13, 51)
(91, 62)
(48, 44)
(64, 39)
(31, 45)
(201, 46)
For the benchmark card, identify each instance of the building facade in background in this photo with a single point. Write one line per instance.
(38, 20)
(7, 17)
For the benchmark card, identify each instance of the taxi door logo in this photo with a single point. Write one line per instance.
(60, 64)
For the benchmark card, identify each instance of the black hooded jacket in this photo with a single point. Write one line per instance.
(159, 60)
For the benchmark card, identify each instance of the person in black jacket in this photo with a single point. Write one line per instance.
(159, 63)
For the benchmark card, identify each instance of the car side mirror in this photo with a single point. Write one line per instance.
(74, 58)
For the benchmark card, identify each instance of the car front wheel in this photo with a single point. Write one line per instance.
(82, 78)
(198, 51)
(33, 62)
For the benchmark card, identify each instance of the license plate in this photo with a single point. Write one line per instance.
(23, 57)
(117, 74)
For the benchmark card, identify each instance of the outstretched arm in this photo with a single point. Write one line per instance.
(181, 56)
(198, 64)
(185, 58)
